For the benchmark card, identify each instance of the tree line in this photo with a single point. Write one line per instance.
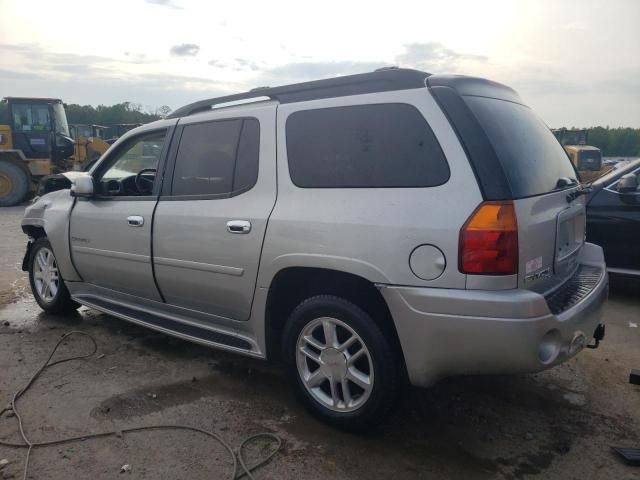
(126, 112)
(616, 142)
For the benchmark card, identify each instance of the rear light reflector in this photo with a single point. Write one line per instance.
(489, 240)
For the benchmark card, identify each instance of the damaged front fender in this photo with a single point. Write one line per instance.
(51, 214)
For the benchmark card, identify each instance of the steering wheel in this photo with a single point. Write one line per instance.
(143, 184)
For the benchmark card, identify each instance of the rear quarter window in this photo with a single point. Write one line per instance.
(364, 146)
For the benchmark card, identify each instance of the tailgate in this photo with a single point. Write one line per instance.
(551, 234)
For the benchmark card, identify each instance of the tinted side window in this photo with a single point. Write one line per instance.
(380, 145)
(246, 173)
(217, 157)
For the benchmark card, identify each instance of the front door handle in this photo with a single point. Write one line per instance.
(135, 220)
(238, 226)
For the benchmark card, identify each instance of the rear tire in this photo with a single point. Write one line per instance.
(341, 365)
(14, 184)
(47, 285)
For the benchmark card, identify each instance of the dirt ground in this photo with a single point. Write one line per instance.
(556, 424)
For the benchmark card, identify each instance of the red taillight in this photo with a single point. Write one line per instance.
(489, 240)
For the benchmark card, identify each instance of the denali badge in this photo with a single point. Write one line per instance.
(538, 275)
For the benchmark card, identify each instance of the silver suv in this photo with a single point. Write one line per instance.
(366, 229)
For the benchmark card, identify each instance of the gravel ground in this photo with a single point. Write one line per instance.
(555, 424)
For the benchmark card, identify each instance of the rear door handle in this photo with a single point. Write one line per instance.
(238, 226)
(135, 220)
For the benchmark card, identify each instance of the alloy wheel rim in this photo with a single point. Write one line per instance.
(45, 275)
(334, 364)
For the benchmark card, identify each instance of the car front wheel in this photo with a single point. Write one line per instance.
(342, 366)
(47, 285)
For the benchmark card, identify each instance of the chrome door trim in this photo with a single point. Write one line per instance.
(205, 267)
(134, 257)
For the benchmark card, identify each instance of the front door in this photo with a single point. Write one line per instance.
(212, 215)
(110, 233)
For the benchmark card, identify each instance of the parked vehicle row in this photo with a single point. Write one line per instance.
(366, 229)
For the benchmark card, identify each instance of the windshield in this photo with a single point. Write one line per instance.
(82, 131)
(531, 157)
(60, 119)
(589, 154)
(31, 117)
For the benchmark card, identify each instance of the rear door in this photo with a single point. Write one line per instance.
(211, 218)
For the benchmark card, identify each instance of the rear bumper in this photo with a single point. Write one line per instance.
(447, 332)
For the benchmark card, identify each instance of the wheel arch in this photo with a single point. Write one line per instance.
(291, 285)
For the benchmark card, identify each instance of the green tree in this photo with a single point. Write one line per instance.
(615, 142)
(126, 112)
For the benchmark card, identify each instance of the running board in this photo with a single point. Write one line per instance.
(180, 329)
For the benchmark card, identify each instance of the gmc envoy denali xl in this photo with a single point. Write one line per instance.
(366, 229)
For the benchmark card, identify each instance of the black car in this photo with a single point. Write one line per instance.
(613, 218)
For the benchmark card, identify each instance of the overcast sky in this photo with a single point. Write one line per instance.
(576, 62)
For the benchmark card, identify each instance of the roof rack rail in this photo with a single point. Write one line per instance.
(378, 81)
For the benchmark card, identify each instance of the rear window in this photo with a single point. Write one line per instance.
(364, 146)
(530, 155)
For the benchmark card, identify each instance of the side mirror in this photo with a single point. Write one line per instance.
(628, 183)
(82, 186)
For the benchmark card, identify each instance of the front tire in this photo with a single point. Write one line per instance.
(47, 285)
(341, 365)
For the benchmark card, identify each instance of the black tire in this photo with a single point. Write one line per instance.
(386, 368)
(61, 301)
(14, 184)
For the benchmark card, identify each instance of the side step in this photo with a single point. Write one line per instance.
(188, 331)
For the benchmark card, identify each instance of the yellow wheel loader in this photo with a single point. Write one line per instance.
(34, 144)
(586, 159)
(89, 144)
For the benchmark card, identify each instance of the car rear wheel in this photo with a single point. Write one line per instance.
(341, 365)
(47, 285)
